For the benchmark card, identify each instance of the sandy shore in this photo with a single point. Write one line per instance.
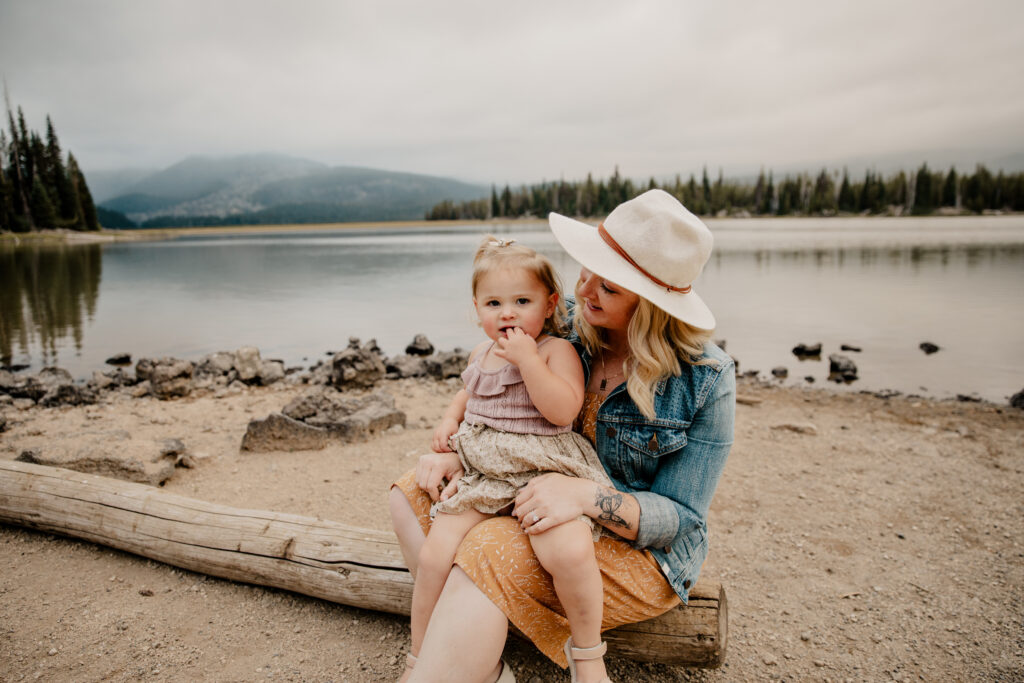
(859, 538)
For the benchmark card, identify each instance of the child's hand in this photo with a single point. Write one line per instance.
(517, 347)
(443, 432)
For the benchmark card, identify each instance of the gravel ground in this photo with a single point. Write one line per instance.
(858, 537)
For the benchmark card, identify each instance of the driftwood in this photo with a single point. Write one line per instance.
(323, 559)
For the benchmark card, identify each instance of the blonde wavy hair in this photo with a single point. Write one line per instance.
(496, 254)
(658, 344)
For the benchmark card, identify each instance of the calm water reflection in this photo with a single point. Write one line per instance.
(883, 285)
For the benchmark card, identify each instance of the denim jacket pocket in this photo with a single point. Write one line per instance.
(641, 446)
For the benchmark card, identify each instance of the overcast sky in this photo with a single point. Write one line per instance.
(520, 91)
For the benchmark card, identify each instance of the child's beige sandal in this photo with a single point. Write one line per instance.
(574, 654)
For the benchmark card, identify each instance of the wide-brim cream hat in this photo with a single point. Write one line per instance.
(651, 245)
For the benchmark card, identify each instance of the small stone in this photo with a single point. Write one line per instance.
(799, 428)
(805, 636)
(52, 651)
(770, 660)
(928, 347)
(780, 372)
(145, 592)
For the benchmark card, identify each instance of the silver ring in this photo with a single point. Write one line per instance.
(535, 518)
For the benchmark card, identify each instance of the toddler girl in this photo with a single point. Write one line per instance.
(511, 422)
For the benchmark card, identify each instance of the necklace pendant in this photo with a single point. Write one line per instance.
(604, 384)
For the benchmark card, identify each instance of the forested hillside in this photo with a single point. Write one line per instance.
(825, 194)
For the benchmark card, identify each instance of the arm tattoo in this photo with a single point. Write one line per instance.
(609, 501)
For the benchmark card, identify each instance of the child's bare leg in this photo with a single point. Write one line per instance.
(435, 563)
(567, 553)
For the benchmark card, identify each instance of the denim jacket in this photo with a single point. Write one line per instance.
(671, 464)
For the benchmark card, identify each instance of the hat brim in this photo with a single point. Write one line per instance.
(582, 242)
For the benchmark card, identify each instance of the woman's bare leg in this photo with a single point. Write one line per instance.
(435, 563)
(465, 637)
(407, 528)
(567, 553)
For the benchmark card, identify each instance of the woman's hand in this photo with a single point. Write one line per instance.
(431, 471)
(444, 431)
(549, 500)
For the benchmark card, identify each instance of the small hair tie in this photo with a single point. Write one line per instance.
(501, 243)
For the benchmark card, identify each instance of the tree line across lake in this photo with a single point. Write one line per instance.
(38, 189)
(827, 194)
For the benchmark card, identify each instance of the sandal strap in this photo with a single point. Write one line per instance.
(585, 653)
(410, 660)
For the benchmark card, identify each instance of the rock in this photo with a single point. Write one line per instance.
(271, 371)
(3, 423)
(809, 379)
(345, 417)
(849, 347)
(120, 359)
(798, 427)
(420, 346)
(406, 366)
(359, 367)
(803, 351)
(278, 432)
(141, 389)
(109, 454)
(841, 368)
(100, 381)
(1017, 400)
(319, 374)
(171, 447)
(780, 372)
(928, 347)
(35, 387)
(67, 395)
(248, 363)
(171, 378)
(216, 364)
(968, 398)
(447, 364)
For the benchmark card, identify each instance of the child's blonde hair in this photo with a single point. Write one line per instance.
(494, 253)
(657, 342)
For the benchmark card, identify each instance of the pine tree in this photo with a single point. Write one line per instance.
(847, 200)
(922, 191)
(43, 213)
(86, 214)
(58, 181)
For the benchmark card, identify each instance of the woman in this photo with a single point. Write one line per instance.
(660, 407)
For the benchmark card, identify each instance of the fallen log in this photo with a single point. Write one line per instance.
(324, 559)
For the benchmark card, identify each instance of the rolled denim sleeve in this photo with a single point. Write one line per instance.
(686, 479)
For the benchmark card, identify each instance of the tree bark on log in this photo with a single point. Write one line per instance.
(324, 559)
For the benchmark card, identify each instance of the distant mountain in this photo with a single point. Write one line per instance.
(270, 188)
(105, 185)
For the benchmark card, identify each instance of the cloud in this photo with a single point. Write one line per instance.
(521, 91)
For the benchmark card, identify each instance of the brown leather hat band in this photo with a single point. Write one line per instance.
(622, 252)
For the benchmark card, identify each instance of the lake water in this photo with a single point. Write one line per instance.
(884, 285)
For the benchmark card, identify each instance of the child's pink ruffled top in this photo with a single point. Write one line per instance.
(499, 400)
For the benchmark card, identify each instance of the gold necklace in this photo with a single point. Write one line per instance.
(605, 376)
